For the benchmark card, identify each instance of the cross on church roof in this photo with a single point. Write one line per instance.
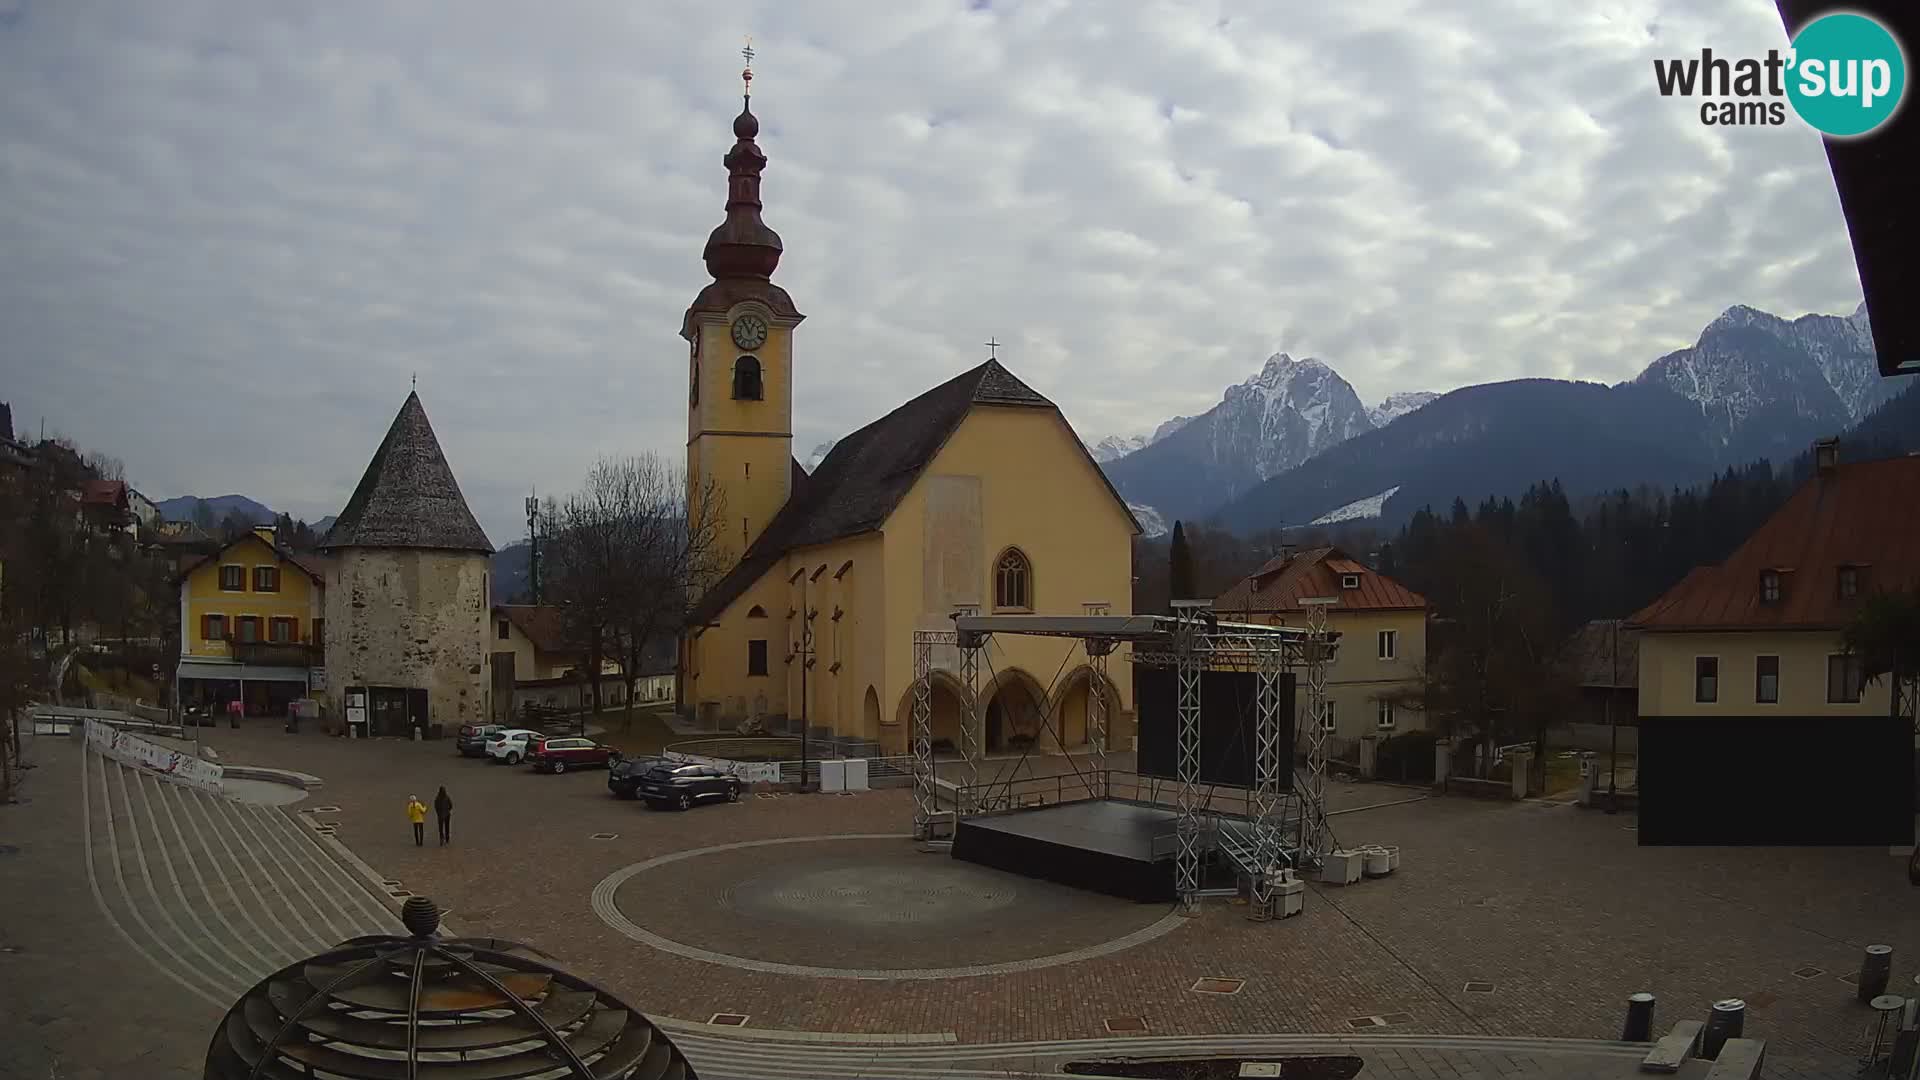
(993, 349)
(746, 73)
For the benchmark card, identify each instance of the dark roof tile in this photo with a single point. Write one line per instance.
(408, 497)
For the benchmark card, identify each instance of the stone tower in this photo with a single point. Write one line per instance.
(407, 591)
(739, 333)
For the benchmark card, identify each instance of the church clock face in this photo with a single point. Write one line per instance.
(749, 332)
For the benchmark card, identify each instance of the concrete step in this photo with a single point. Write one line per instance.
(218, 893)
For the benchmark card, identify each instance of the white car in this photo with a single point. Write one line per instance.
(510, 745)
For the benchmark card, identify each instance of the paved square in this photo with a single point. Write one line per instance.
(1556, 907)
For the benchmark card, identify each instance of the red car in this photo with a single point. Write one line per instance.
(557, 755)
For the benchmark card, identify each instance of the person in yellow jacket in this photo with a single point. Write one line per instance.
(417, 813)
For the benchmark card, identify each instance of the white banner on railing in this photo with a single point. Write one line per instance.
(129, 749)
(748, 772)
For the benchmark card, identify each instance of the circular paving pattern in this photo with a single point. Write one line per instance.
(869, 894)
(814, 906)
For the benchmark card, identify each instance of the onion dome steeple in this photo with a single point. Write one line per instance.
(743, 246)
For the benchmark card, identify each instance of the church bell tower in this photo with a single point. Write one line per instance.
(739, 333)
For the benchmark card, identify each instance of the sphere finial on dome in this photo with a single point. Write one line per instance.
(420, 916)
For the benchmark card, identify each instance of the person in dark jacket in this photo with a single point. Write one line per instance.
(443, 809)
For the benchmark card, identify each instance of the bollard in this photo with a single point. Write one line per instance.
(1726, 1021)
(1639, 1027)
(1876, 967)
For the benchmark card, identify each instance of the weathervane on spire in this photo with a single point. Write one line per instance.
(746, 73)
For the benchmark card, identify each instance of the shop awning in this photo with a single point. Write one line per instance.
(215, 669)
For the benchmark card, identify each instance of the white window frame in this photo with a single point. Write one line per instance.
(1383, 718)
(1328, 720)
(1388, 642)
(1349, 581)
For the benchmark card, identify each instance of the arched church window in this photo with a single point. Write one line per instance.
(1013, 580)
(693, 386)
(756, 612)
(746, 379)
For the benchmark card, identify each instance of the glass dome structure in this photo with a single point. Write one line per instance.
(423, 1007)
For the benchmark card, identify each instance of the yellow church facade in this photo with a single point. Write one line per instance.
(975, 496)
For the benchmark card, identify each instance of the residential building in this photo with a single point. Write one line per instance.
(407, 592)
(1760, 634)
(531, 661)
(105, 507)
(1382, 645)
(974, 496)
(1603, 660)
(251, 625)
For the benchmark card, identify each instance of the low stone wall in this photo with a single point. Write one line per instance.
(303, 781)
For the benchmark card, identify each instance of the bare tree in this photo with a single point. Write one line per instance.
(625, 558)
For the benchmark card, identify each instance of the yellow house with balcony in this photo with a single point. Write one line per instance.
(974, 496)
(251, 627)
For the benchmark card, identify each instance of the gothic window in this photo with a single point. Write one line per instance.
(1013, 580)
(693, 387)
(746, 379)
(756, 612)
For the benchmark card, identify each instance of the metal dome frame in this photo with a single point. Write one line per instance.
(423, 1007)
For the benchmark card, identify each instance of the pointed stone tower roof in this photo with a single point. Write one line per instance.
(408, 497)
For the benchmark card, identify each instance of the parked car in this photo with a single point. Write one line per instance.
(623, 776)
(510, 744)
(680, 786)
(472, 739)
(559, 755)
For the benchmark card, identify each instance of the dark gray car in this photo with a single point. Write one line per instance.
(680, 786)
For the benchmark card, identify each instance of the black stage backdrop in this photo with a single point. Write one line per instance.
(1228, 714)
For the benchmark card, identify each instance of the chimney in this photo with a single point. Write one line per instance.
(1826, 456)
(264, 532)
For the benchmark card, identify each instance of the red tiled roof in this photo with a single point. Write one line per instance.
(1864, 514)
(1281, 583)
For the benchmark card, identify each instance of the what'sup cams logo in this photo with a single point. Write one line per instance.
(1845, 75)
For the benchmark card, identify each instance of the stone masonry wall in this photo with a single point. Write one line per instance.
(411, 618)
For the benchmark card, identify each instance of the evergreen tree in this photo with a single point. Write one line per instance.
(1179, 565)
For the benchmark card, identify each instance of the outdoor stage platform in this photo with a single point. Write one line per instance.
(1123, 849)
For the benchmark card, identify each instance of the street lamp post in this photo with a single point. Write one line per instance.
(1613, 723)
(803, 652)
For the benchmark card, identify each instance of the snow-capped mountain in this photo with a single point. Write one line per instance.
(1152, 522)
(1764, 383)
(1398, 405)
(1290, 411)
(1115, 447)
(812, 461)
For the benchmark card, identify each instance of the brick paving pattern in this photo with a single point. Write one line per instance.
(1554, 905)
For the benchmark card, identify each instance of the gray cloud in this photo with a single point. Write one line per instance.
(230, 233)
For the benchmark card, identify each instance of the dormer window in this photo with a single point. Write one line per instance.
(1848, 584)
(1769, 586)
(1349, 581)
(746, 379)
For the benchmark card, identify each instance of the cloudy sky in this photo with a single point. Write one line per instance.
(232, 232)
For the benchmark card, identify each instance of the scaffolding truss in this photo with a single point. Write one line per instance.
(1286, 825)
